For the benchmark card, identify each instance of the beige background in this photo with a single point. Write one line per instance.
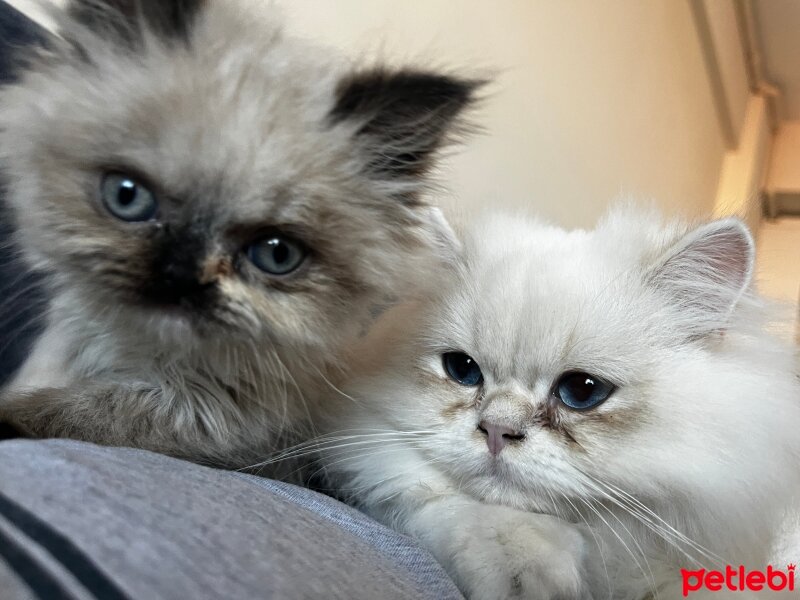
(592, 100)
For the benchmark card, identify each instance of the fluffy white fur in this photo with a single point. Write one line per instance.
(691, 461)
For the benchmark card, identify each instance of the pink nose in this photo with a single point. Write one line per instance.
(497, 436)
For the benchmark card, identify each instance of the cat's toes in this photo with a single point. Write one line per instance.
(521, 555)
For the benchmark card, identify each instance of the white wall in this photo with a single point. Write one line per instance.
(592, 99)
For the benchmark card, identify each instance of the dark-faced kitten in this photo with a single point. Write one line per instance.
(217, 208)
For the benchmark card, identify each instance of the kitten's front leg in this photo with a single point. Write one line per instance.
(103, 415)
(495, 552)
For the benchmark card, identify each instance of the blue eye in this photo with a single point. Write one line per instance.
(277, 254)
(127, 199)
(462, 369)
(582, 391)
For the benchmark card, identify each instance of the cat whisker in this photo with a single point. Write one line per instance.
(635, 542)
(660, 527)
(374, 485)
(329, 443)
(334, 388)
(600, 549)
(349, 455)
(627, 548)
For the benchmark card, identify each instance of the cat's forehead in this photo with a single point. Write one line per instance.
(534, 298)
(243, 108)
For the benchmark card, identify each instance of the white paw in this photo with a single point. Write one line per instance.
(505, 553)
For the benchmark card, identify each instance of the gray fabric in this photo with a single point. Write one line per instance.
(160, 528)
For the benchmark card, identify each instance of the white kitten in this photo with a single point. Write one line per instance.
(579, 414)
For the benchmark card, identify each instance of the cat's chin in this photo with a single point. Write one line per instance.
(168, 326)
(172, 325)
(499, 481)
(499, 489)
(176, 321)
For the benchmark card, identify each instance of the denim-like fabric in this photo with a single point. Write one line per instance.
(93, 522)
(401, 550)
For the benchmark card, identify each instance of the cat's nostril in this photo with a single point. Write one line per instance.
(497, 436)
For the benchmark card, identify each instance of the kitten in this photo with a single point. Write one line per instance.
(219, 210)
(580, 414)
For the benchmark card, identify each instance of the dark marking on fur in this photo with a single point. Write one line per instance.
(405, 115)
(10, 432)
(126, 19)
(517, 590)
(176, 267)
(451, 411)
(548, 416)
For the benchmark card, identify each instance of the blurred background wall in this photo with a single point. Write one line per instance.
(591, 99)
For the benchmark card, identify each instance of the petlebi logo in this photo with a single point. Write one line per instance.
(738, 580)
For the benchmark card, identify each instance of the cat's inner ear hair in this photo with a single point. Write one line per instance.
(125, 20)
(707, 272)
(402, 117)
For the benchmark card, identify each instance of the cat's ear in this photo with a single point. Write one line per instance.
(126, 20)
(706, 273)
(402, 118)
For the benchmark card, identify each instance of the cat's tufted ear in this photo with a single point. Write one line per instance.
(126, 20)
(706, 273)
(402, 118)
